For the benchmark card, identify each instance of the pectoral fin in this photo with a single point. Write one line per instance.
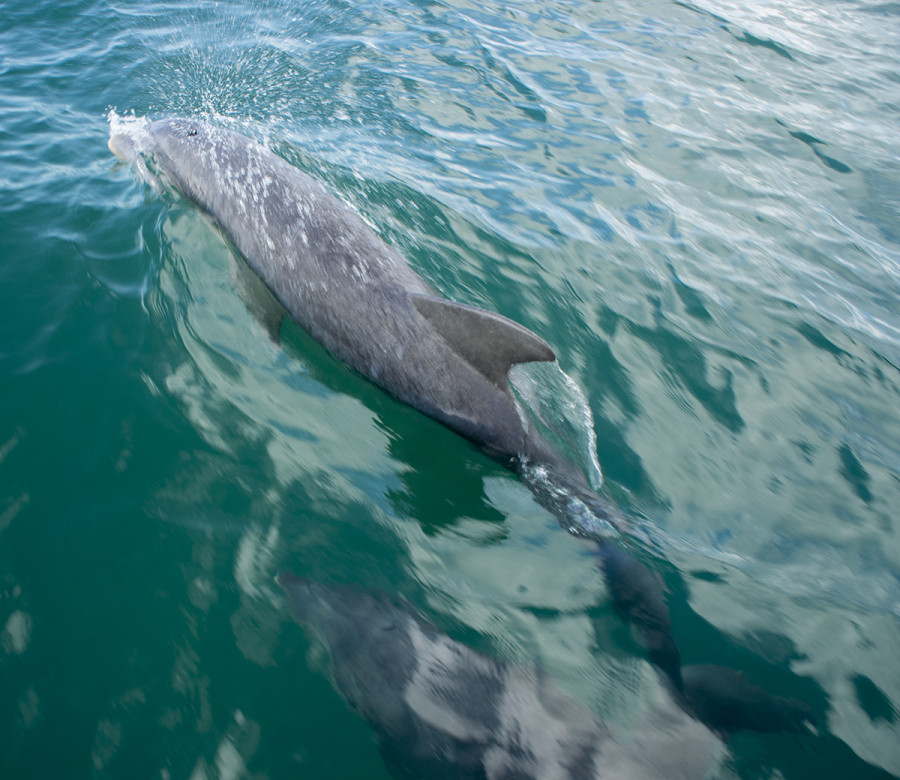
(491, 343)
(257, 298)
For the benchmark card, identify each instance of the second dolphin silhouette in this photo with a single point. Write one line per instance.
(442, 710)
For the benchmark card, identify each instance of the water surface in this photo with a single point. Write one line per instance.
(697, 205)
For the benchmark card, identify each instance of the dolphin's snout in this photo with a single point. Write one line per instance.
(121, 146)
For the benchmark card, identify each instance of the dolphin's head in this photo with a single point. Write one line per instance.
(340, 613)
(175, 151)
(367, 635)
(183, 153)
(180, 139)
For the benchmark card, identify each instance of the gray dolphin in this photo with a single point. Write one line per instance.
(441, 709)
(346, 287)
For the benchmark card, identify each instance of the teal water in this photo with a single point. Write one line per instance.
(696, 204)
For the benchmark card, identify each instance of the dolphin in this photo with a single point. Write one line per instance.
(352, 292)
(441, 709)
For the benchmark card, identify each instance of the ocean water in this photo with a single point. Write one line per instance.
(696, 204)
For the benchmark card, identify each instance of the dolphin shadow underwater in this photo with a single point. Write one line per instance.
(325, 269)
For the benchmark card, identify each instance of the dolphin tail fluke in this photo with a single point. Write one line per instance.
(727, 702)
(488, 341)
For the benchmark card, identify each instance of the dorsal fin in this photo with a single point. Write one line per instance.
(491, 343)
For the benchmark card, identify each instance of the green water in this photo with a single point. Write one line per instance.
(696, 204)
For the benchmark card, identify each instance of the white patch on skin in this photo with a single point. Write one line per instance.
(17, 632)
(253, 561)
(425, 694)
(547, 729)
(29, 707)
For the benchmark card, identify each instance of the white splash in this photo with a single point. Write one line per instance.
(129, 140)
(556, 402)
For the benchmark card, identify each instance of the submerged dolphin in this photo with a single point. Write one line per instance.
(441, 709)
(346, 287)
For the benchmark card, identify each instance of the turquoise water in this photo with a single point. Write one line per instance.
(696, 204)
